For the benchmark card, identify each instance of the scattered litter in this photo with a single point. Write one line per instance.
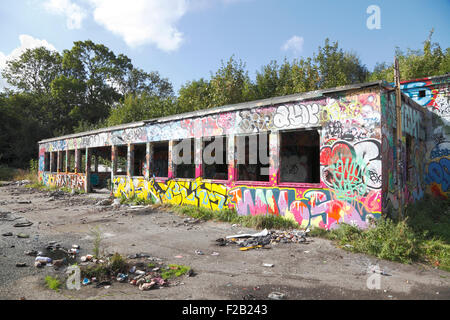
(215, 253)
(105, 284)
(199, 252)
(248, 297)
(121, 277)
(179, 257)
(268, 265)
(264, 239)
(248, 235)
(23, 224)
(86, 281)
(23, 236)
(306, 251)
(8, 234)
(138, 255)
(276, 295)
(104, 202)
(21, 264)
(33, 253)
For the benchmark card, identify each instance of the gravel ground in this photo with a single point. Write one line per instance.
(316, 270)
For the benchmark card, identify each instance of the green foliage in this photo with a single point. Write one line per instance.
(400, 241)
(141, 107)
(430, 61)
(230, 84)
(194, 95)
(34, 70)
(174, 270)
(430, 217)
(7, 173)
(231, 216)
(53, 283)
(114, 265)
(98, 237)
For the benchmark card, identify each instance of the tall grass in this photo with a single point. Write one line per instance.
(268, 221)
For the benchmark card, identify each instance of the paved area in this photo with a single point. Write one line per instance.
(315, 270)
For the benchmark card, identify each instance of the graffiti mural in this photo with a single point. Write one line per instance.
(197, 193)
(74, 181)
(311, 207)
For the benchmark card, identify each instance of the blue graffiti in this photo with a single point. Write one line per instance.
(413, 89)
(439, 172)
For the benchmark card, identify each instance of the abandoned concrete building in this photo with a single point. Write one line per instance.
(322, 158)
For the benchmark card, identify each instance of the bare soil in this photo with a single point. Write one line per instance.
(313, 270)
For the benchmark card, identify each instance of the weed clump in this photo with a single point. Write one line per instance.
(53, 283)
(174, 271)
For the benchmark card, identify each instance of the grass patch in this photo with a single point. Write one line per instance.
(114, 265)
(390, 240)
(7, 173)
(98, 237)
(174, 271)
(53, 283)
(268, 221)
(135, 200)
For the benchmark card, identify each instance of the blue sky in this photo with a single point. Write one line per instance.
(187, 39)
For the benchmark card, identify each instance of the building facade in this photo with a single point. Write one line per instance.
(321, 158)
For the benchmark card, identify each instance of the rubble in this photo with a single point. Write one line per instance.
(263, 239)
(276, 296)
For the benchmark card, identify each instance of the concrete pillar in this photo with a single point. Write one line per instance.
(59, 161)
(170, 166)
(77, 161)
(113, 166)
(130, 160)
(274, 157)
(231, 161)
(198, 157)
(67, 161)
(96, 163)
(51, 162)
(87, 186)
(148, 159)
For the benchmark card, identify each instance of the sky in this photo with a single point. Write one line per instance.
(186, 40)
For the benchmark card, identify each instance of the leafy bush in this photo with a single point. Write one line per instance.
(53, 283)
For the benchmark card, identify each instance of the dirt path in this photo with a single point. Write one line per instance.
(316, 270)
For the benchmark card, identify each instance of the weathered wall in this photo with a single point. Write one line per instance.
(436, 153)
(350, 161)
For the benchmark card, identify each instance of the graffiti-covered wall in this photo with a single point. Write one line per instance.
(350, 163)
(433, 94)
(350, 155)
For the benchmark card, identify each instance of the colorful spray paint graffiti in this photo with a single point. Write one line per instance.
(74, 181)
(431, 93)
(356, 142)
(311, 207)
(197, 193)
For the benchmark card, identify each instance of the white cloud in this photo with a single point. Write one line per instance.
(295, 43)
(73, 12)
(26, 42)
(142, 21)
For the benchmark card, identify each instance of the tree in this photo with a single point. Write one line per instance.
(141, 107)
(338, 68)
(194, 95)
(429, 61)
(34, 70)
(137, 81)
(230, 84)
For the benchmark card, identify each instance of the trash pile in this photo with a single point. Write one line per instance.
(146, 273)
(264, 238)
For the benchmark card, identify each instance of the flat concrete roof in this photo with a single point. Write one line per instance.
(226, 108)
